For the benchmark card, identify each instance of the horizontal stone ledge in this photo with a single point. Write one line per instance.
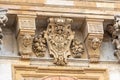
(76, 10)
(5, 57)
(58, 14)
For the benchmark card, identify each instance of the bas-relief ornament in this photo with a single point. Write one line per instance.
(59, 37)
(25, 45)
(94, 44)
(39, 45)
(77, 48)
(114, 30)
(60, 41)
(3, 20)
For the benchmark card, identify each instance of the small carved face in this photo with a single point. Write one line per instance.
(95, 43)
(26, 40)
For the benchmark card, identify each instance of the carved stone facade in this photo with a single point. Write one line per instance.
(59, 40)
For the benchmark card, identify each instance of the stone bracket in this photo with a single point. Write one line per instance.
(93, 35)
(25, 34)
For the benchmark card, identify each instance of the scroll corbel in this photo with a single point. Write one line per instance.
(25, 34)
(93, 36)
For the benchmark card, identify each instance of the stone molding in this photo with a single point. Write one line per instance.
(27, 72)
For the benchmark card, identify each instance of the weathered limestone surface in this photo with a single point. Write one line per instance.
(36, 14)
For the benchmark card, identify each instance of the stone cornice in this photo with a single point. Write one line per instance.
(79, 8)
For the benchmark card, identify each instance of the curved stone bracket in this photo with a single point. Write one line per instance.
(25, 34)
(93, 36)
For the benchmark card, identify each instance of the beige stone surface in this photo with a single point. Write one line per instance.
(37, 67)
(33, 72)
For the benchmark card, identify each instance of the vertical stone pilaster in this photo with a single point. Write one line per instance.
(93, 35)
(25, 33)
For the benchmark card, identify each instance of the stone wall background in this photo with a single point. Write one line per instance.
(9, 56)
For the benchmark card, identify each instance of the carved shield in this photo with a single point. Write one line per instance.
(59, 37)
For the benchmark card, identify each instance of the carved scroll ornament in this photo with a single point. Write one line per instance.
(59, 39)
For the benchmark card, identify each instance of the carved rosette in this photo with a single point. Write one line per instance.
(3, 20)
(93, 36)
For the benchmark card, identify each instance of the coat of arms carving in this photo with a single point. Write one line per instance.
(59, 38)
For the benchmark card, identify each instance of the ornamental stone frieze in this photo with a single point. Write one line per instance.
(93, 36)
(3, 20)
(25, 34)
(60, 41)
(114, 30)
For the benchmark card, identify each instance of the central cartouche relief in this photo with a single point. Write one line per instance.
(59, 38)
